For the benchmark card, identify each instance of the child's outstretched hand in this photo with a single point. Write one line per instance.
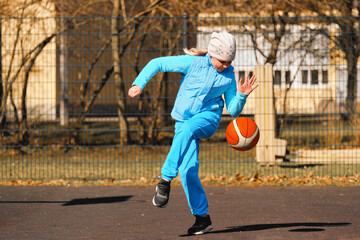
(247, 86)
(134, 91)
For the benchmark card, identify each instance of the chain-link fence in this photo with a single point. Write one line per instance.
(65, 112)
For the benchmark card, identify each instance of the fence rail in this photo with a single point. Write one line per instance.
(64, 113)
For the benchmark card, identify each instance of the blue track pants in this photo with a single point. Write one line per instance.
(183, 157)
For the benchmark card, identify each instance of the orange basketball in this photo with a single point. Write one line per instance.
(242, 134)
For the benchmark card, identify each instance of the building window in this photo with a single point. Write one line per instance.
(287, 77)
(242, 75)
(314, 77)
(304, 76)
(325, 79)
(277, 78)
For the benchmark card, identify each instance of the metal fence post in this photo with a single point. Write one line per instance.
(64, 73)
(1, 85)
(185, 32)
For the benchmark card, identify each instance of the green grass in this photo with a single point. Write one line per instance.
(50, 155)
(133, 162)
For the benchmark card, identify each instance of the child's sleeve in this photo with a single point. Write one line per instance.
(235, 101)
(179, 64)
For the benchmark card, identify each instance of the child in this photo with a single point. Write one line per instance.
(206, 74)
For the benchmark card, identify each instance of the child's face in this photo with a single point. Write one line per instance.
(220, 65)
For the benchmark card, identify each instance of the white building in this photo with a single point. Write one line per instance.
(304, 74)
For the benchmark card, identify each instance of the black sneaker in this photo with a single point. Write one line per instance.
(201, 225)
(161, 197)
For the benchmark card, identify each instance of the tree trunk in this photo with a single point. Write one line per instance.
(272, 59)
(351, 86)
(1, 81)
(117, 77)
(349, 42)
(63, 75)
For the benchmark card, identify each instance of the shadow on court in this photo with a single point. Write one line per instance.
(260, 227)
(127, 213)
(85, 201)
(80, 201)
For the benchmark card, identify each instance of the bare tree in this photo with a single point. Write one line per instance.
(124, 31)
(273, 38)
(19, 64)
(64, 24)
(1, 75)
(348, 39)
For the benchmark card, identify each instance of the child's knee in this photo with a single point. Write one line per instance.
(186, 131)
(188, 174)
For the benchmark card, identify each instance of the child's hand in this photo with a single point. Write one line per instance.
(134, 91)
(247, 86)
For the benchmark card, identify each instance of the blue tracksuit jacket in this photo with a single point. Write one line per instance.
(202, 86)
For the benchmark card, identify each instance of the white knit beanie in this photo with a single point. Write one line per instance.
(222, 46)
